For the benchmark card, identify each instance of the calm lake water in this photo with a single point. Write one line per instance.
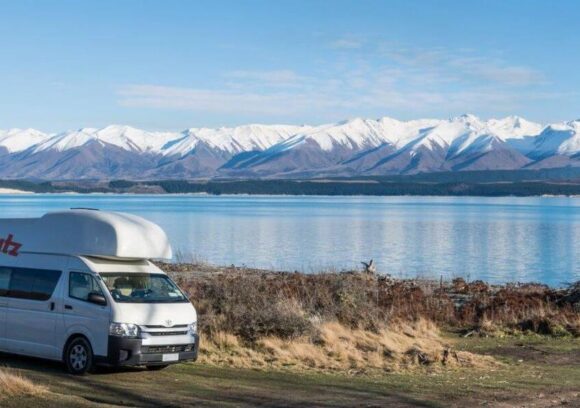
(495, 239)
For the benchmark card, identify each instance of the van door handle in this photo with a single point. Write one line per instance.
(68, 307)
(51, 305)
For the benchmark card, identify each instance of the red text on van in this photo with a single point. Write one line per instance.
(9, 246)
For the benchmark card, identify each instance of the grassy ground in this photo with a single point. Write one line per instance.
(342, 339)
(535, 372)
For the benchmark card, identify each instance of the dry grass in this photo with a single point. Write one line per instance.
(13, 384)
(357, 322)
(337, 348)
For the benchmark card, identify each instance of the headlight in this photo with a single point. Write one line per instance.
(193, 328)
(124, 330)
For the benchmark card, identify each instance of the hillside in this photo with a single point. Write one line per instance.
(357, 147)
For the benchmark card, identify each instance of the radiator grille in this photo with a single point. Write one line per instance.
(179, 348)
(168, 333)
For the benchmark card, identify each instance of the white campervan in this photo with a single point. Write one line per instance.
(79, 286)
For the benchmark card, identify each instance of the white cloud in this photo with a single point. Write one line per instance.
(510, 75)
(444, 66)
(346, 44)
(420, 82)
(284, 77)
(201, 100)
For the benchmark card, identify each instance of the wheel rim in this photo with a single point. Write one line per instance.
(78, 357)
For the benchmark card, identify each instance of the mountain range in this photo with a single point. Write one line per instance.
(354, 147)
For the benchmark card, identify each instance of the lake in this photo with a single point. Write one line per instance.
(494, 239)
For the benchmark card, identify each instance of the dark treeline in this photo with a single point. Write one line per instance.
(564, 181)
(488, 176)
(292, 187)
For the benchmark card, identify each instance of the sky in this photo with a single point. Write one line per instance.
(171, 65)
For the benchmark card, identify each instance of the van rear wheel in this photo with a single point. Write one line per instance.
(78, 356)
(157, 367)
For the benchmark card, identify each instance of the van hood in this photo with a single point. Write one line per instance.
(154, 314)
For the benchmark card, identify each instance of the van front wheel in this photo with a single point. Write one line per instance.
(78, 356)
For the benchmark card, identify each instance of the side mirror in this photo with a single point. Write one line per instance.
(97, 299)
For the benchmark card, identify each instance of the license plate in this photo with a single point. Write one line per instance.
(170, 357)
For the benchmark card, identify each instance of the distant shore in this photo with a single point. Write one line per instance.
(14, 191)
(501, 185)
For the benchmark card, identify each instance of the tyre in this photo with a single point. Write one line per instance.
(156, 367)
(78, 356)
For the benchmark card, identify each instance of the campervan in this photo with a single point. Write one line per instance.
(79, 286)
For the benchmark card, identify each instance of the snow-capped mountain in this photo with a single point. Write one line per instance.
(353, 147)
(17, 140)
(388, 146)
(125, 137)
(232, 140)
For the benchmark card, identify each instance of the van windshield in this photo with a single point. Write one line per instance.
(142, 288)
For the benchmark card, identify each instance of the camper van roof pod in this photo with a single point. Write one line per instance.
(85, 232)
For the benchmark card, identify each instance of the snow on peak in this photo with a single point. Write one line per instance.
(125, 137)
(133, 139)
(361, 133)
(561, 138)
(232, 139)
(456, 134)
(468, 118)
(468, 132)
(352, 134)
(66, 140)
(513, 127)
(17, 140)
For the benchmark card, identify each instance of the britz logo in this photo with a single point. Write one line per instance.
(8, 246)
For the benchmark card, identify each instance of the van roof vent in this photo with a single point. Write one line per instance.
(90, 233)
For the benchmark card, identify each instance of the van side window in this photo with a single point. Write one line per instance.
(81, 285)
(24, 283)
(4, 281)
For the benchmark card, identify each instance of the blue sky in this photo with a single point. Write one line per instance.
(169, 65)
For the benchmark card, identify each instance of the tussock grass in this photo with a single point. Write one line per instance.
(13, 384)
(337, 348)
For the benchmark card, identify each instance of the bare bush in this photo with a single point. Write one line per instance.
(253, 304)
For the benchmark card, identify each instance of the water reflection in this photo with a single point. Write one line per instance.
(495, 239)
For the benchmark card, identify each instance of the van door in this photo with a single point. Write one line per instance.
(31, 315)
(4, 284)
(82, 316)
(3, 305)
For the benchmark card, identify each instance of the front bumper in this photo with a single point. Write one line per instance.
(131, 352)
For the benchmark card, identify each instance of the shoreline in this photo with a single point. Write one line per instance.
(8, 191)
(203, 268)
(469, 184)
(11, 191)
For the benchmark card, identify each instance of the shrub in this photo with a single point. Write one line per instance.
(254, 304)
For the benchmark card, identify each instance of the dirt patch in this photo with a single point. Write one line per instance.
(199, 385)
(512, 384)
(537, 354)
(546, 399)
